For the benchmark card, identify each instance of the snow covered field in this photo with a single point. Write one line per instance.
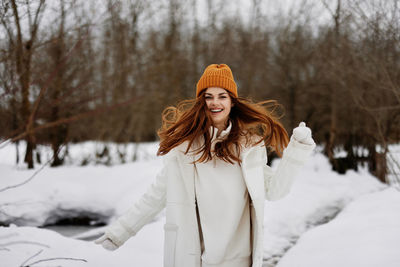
(327, 220)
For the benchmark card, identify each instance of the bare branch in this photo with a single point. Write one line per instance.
(31, 257)
(24, 182)
(30, 178)
(48, 82)
(36, 21)
(53, 259)
(327, 7)
(73, 118)
(16, 17)
(28, 5)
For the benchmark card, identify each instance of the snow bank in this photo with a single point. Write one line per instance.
(18, 244)
(366, 233)
(98, 192)
(317, 196)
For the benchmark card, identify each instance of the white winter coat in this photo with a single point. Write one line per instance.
(174, 189)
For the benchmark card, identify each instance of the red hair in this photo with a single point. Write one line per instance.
(189, 121)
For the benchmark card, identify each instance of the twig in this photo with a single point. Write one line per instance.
(27, 180)
(24, 182)
(51, 77)
(31, 257)
(33, 176)
(53, 259)
(5, 143)
(7, 139)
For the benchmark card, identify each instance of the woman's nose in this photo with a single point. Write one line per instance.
(214, 101)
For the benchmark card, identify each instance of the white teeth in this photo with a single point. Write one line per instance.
(216, 110)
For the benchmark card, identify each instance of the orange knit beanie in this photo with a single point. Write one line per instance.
(217, 75)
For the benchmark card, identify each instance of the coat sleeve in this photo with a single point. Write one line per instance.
(142, 212)
(278, 183)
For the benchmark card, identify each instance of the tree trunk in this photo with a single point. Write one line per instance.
(332, 128)
(23, 56)
(29, 153)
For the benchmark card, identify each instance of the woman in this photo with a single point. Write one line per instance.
(215, 178)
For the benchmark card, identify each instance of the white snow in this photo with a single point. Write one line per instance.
(316, 197)
(23, 242)
(366, 233)
(326, 220)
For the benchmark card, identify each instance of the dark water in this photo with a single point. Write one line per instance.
(71, 230)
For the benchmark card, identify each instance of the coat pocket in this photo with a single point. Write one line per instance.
(171, 231)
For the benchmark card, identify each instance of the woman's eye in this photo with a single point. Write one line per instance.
(208, 97)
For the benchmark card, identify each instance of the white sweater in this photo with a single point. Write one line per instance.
(224, 212)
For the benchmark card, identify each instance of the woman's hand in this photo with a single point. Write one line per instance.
(106, 243)
(302, 134)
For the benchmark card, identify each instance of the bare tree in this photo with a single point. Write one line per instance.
(23, 39)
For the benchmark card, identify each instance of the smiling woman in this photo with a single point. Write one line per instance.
(219, 105)
(215, 177)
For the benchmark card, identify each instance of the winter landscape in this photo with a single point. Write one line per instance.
(327, 220)
(88, 90)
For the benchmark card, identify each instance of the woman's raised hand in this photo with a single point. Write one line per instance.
(302, 134)
(106, 243)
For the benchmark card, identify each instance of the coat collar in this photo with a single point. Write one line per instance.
(222, 136)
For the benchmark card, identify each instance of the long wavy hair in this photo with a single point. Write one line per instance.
(252, 123)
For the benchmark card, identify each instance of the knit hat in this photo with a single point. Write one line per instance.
(217, 75)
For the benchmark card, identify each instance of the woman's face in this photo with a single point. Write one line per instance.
(219, 105)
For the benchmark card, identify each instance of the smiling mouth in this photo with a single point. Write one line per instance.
(216, 110)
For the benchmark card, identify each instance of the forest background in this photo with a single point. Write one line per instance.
(75, 70)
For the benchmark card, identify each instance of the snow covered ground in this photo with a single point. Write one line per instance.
(365, 233)
(327, 220)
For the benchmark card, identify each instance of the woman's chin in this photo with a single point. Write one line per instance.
(218, 122)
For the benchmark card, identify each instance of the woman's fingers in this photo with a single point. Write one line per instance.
(106, 242)
(100, 239)
(109, 245)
